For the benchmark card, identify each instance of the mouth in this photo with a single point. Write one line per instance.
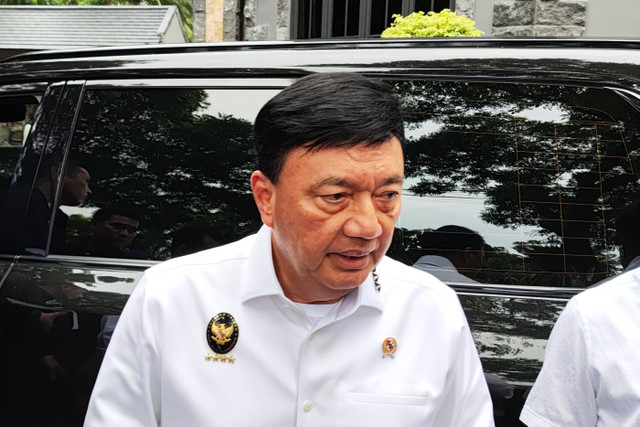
(352, 260)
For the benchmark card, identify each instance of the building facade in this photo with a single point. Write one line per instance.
(228, 20)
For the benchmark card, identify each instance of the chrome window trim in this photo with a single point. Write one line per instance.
(200, 83)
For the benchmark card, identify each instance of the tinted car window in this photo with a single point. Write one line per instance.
(163, 164)
(539, 172)
(22, 145)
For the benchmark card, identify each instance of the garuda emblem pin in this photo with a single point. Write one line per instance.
(222, 333)
(389, 347)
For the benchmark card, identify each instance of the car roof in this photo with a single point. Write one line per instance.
(585, 61)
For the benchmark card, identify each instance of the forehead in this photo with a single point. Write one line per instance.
(361, 161)
(81, 173)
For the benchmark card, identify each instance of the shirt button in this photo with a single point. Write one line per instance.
(308, 405)
(313, 335)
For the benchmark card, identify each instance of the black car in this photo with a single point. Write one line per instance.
(112, 160)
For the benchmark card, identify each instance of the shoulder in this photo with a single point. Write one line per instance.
(610, 306)
(616, 291)
(414, 292)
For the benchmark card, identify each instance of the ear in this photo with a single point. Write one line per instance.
(468, 253)
(55, 173)
(264, 196)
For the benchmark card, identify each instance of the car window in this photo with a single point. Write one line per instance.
(157, 173)
(535, 172)
(24, 127)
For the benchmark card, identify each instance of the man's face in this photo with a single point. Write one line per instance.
(332, 212)
(76, 188)
(116, 232)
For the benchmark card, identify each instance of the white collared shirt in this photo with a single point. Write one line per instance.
(286, 371)
(443, 269)
(591, 375)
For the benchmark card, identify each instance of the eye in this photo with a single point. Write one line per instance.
(391, 195)
(333, 198)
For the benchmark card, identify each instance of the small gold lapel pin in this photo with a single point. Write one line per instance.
(389, 347)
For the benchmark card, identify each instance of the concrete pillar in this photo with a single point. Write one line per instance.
(214, 20)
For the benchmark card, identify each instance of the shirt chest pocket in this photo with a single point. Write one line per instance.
(380, 409)
(388, 399)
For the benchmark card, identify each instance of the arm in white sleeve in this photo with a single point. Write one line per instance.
(127, 391)
(563, 394)
(468, 401)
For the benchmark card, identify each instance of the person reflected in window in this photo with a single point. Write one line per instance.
(40, 202)
(75, 190)
(449, 249)
(113, 229)
(590, 373)
(15, 133)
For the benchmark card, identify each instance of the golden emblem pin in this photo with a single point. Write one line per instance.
(222, 336)
(389, 347)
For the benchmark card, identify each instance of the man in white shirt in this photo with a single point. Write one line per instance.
(292, 326)
(590, 375)
(449, 249)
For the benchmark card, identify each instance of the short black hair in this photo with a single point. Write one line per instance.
(103, 214)
(449, 239)
(73, 168)
(325, 110)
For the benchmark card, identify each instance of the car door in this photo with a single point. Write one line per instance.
(168, 164)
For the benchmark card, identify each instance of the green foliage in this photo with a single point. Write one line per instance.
(431, 24)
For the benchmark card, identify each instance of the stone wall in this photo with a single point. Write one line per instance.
(539, 18)
(466, 8)
(252, 30)
(199, 26)
(269, 22)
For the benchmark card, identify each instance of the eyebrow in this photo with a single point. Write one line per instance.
(339, 182)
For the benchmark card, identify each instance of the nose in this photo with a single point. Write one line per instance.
(363, 221)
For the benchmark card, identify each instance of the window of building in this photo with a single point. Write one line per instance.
(354, 18)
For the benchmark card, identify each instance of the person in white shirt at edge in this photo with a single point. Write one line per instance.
(590, 375)
(292, 326)
(451, 248)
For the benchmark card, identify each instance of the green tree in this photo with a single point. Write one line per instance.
(442, 24)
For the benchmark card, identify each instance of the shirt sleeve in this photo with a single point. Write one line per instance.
(563, 394)
(126, 392)
(468, 402)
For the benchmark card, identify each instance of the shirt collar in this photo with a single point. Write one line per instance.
(436, 261)
(259, 276)
(259, 279)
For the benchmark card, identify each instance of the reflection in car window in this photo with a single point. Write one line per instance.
(163, 159)
(538, 171)
(20, 154)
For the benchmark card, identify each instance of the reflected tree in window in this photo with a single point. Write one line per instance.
(558, 160)
(162, 152)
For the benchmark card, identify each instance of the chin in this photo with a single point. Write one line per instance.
(349, 283)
